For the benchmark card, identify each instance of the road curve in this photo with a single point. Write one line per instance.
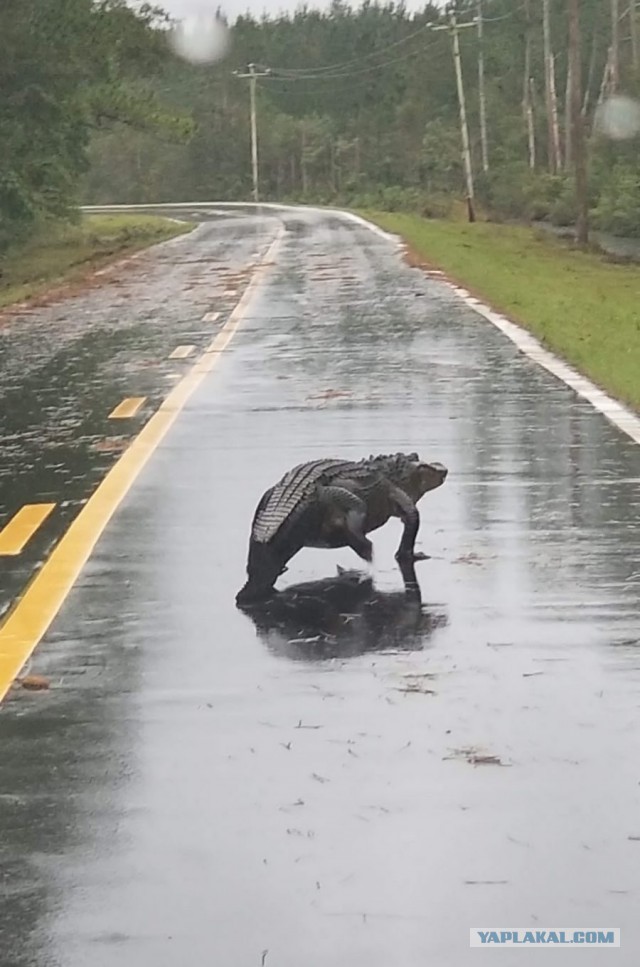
(354, 776)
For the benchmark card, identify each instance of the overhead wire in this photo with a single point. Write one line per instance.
(342, 70)
(273, 76)
(291, 71)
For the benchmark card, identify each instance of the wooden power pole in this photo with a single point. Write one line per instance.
(577, 125)
(464, 128)
(481, 90)
(253, 74)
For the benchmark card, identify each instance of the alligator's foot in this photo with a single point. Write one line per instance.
(410, 579)
(250, 595)
(410, 557)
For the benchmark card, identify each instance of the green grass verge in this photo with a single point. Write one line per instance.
(61, 253)
(581, 307)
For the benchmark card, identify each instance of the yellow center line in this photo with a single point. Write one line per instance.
(22, 526)
(181, 352)
(30, 618)
(127, 408)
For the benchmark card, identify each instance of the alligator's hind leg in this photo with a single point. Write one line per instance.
(345, 516)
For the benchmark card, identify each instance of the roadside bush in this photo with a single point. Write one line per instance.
(514, 191)
(412, 200)
(618, 207)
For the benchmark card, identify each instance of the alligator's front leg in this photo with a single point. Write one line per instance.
(410, 579)
(352, 513)
(408, 513)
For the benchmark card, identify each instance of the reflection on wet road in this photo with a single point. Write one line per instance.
(354, 774)
(342, 617)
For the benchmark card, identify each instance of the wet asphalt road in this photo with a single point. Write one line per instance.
(307, 786)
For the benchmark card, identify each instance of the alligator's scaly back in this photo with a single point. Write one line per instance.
(291, 492)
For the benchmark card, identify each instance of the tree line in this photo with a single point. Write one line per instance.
(68, 70)
(354, 106)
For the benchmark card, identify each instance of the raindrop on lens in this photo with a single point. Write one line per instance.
(200, 39)
(618, 118)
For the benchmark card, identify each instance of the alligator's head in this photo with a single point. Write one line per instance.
(425, 477)
(411, 473)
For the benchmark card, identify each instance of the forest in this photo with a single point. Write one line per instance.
(355, 106)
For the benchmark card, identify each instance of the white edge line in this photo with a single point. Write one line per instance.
(613, 410)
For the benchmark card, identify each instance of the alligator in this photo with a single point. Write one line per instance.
(335, 503)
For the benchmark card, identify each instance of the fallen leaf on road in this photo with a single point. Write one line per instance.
(109, 445)
(486, 882)
(329, 394)
(415, 689)
(485, 760)
(470, 558)
(35, 683)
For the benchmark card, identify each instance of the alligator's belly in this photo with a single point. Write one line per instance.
(376, 517)
(326, 540)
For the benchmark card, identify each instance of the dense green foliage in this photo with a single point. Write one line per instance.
(560, 297)
(361, 108)
(68, 67)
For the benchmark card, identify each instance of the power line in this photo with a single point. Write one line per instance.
(356, 60)
(296, 85)
(346, 74)
(253, 74)
(276, 76)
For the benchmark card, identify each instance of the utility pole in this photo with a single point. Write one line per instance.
(464, 129)
(577, 124)
(253, 74)
(483, 106)
(453, 27)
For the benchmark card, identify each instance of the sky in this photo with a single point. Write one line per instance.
(232, 8)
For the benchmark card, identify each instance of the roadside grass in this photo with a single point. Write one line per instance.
(581, 307)
(62, 252)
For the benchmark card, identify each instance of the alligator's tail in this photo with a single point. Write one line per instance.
(264, 567)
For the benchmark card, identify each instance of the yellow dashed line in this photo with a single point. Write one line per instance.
(34, 612)
(181, 352)
(127, 408)
(22, 527)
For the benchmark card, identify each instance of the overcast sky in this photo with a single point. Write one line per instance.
(234, 7)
